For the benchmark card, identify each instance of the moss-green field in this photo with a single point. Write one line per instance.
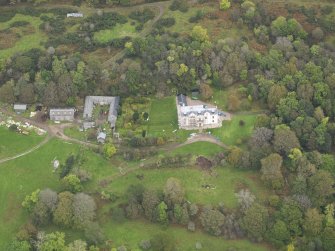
(119, 31)
(29, 36)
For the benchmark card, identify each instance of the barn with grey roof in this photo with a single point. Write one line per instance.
(62, 114)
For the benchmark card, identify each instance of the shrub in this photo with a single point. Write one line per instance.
(142, 16)
(165, 22)
(180, 5)
(198, 16)
(19, 23)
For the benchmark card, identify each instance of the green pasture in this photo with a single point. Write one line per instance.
(131, 233)
(12, 143)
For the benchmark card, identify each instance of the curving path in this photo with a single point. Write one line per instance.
(203, 137)
(46, 140)
(52, 131)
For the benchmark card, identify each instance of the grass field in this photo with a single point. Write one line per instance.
(29, 39)
(26, 174)
(119, 31)
(231, 133)
(223, 185)
(12, 143)
(132, 232)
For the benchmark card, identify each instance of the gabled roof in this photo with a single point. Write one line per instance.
(63, 111)
(102, 135)
(182, 100)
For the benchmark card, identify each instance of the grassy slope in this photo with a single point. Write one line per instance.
(12, 143)
(27, 41)
(132, 232)
(24, 175)
(224, 184)
(199, 148)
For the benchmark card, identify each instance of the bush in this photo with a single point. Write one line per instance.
(142, 16)
(198, 16)
(105, 21)
(19, 23)
(118, 215)
(13, 127)
(180, 5)
(6, 16)
(165, 22)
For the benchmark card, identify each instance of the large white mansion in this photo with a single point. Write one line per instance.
(199, 116)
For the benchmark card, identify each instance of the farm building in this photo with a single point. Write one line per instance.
(75, 15)
(62, 114)
(113, 102)
(198, 115)
(20, 108)
(101, 137)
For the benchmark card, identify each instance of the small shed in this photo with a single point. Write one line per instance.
(101, 137)
(20, 108)
(75, 15)
(88, 125)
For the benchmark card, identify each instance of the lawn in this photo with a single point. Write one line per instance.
(12, 142)
(163, 117)
(29, 39)
(232, 133)
(74, 132)
(26, 174)
(131, 233)
(199, 148)
(223, 184)
(119, 31)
